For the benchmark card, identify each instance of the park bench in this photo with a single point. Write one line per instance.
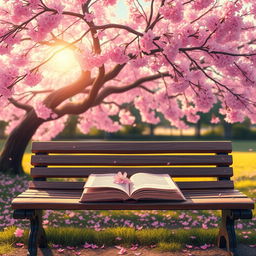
(179, 159)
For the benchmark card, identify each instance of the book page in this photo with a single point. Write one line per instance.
(151, 181)
(105, 181)
(103, 194)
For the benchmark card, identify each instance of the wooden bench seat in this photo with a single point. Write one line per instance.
(69, 200)
(179, 159)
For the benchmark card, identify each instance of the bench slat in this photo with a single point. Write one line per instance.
(127, 147)
(182, 185)
(174, 172)
(190, 204)
(121, 160)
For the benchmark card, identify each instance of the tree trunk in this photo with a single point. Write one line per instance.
(16, 143)
(152, 130)
(198, 129)
(227, 130)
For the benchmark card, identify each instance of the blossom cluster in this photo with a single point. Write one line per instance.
(43, 111)
(206, 50)
(7, 77)
(172, 10)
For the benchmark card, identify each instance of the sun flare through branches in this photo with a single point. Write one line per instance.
(63, 60)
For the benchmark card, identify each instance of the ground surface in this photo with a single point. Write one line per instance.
(242, 250)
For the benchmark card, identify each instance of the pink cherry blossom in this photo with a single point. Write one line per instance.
(204, 226)
(122, 251)
(89, 17)
(215, 120)
(20, 60)
(19, 232)
(147, 41)
(33, 4)
(201, 4)
(59, 7)
(120, 178)
(20, 12)
(33, 78)
(117, 55)
(42, 111)
(46, 23)
(172, 10)
(126, 118)
(87, 245)
(204, 247)
(140, 62)
(110, 2)
(134, 247)
(239, 225)
(19, 244)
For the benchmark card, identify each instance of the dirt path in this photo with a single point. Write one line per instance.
(242, 251)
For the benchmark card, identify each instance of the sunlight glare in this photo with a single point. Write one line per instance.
(63, 61)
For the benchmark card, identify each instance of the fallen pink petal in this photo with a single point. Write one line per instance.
(19, 244)
(122, 251)
(19, 232)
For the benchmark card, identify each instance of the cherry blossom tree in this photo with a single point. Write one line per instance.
(99, 58)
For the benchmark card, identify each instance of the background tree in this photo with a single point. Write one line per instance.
(88, 58)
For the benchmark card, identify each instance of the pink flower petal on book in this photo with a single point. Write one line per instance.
(120, 178)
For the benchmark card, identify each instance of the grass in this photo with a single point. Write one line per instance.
(165, 239)
(6, 248)
(169, 247)
(244, 145)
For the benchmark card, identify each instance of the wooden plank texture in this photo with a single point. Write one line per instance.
(121, 160)
(134, 147)
(227, 193)
(214, 203)
(72, 172)
(182, 185)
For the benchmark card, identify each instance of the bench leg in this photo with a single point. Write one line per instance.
(37, 235)
(227, 234)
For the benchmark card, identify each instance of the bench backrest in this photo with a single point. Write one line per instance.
(179, 159)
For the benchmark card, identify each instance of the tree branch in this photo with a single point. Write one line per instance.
(58, 96)
(129, 29)
(81, 107)
(112, 89)
(17, 104)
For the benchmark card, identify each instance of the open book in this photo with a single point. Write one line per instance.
(101, 187)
